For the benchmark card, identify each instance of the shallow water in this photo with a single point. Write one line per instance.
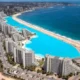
(44, 44)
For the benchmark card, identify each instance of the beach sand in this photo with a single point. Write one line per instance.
(75, 43)
(6, 77)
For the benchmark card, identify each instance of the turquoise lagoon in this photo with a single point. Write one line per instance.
(43, 44)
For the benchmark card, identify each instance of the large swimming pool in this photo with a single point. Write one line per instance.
(43, 44)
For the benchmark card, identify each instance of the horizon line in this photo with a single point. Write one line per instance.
(39, 1)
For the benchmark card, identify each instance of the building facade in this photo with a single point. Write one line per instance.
(53, 64)
(60, 66)
(24, 57)
(9, 45)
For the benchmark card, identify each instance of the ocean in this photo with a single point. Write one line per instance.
(63, 20)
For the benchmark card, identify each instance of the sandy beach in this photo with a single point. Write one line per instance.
(5, 77)
(75, 43)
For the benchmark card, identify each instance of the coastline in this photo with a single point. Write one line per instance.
(37, 57)
(74, 43)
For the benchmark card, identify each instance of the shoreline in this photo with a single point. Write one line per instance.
(37, 57)
(74, 43)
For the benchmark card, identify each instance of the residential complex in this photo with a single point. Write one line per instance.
(21, 55)
(52, 64)
(69, 67)
(24, 57)
(11, 42)
(9, 45)
(28, 58)
(26, 33)
(60, 66)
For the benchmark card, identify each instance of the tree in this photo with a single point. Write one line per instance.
(10, 58)
(1, 66)
(68, 76)
(41, 62)
(31, 68)
(39, 71)
(43, 72)
(4, 45)
(78, 73)
(71, 74)
(8, 71)
(49, 73)
(65, 77)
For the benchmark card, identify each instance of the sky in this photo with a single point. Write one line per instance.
(40, 0)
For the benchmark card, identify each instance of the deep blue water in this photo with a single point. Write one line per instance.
(63, 20)
(44, 44)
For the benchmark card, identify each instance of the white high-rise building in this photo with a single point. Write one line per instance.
(69, 67)
(26, 33)
(60, 66)
(24, 57)
(28, 58)
(21, 56)
(1, 26)
(17, 37)
(2, 14)
(4, 27)
(52, 64)
(9, 29)
(1, 48)
(18, 55)
(9, 45)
